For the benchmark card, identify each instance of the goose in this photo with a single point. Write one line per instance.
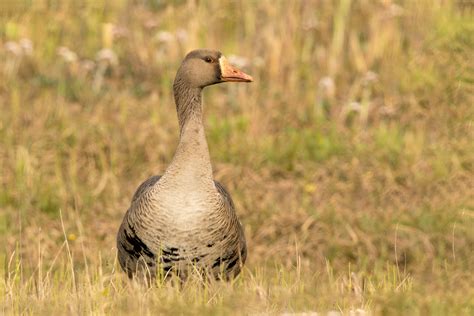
(183, 220)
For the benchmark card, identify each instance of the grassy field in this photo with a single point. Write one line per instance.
(350, 158)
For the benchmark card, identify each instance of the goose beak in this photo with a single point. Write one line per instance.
(231, 73)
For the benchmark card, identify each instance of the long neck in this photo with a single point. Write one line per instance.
(188, 102)
(191, 165)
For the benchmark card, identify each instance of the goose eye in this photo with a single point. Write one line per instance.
(208, 59)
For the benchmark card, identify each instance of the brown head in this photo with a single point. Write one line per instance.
(202, 67)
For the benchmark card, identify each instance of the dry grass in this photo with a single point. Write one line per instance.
(350, 158)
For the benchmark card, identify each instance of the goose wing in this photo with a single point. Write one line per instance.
(131, 249)
(144, 186)
(239, 255)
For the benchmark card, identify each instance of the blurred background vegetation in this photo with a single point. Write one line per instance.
(350, 158)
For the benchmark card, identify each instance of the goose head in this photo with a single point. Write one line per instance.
(202, 67)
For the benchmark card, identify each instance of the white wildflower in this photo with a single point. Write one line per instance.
(326, 83)
(27, 46)
(164, 37)
(370, 76)
(119, 31)
(387, 110)
(107, 55)
(327, 86)
(67, 55)
(182, 35)
(310, 24)
(395, 10)
(13, 48)
(87, 65)
(238, 61)
(358, 312)
(354, 106)
(151, 23)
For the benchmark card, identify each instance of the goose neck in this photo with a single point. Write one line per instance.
(191, 162)
(188, 102)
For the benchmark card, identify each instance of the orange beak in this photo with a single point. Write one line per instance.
(231, 73)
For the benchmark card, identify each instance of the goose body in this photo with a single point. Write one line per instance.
(184, 220)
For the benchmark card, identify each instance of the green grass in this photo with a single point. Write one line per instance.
(350, 158)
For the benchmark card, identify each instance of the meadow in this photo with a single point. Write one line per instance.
(350, 158)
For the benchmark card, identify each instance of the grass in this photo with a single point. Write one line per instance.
(350, 158)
